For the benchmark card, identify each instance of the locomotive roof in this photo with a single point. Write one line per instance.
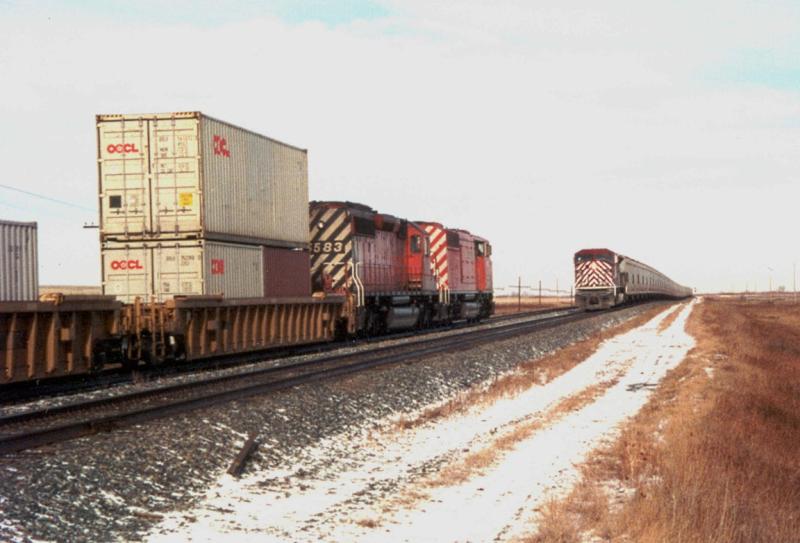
(459, 230)
(434, 223)
(590, 252)
(358, 210)
(344, 203)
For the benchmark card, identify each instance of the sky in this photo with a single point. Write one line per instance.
(668, 132)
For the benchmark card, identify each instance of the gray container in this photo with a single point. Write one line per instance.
(19, 261)
(186, 175)
(162, 270)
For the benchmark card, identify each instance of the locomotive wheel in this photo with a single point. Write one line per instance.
(127, 363)
(375, 322)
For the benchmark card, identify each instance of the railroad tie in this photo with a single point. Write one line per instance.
(237, 466)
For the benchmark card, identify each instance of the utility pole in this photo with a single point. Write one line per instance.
(558, 293)
(519, 286)
(540, 292)
(769, 295)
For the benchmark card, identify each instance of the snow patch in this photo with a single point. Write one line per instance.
(374, 485)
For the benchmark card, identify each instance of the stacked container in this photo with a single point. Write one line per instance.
(19, 279)
(193, 205)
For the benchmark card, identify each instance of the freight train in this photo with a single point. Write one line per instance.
(209, 247)
(371, 273)
(604, 279)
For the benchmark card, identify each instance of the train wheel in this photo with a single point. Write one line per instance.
(374, 322)
(128, 363)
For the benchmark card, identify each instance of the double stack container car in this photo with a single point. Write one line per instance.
(19, 278)
(193, 205)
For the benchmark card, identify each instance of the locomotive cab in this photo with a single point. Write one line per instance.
(596, 279)
(419, 272)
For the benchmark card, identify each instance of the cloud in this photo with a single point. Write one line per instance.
(545, 129)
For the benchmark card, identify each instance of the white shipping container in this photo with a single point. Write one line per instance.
(180, 268)
(187, 175)
(19, 261)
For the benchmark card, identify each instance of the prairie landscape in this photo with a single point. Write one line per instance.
(505, 305)
(713, 455)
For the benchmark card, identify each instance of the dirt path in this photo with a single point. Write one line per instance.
(474, 476)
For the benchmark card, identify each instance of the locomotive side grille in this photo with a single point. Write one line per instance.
(438, 246)
(331, 247)
(594, 273)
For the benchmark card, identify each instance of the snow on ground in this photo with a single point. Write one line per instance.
(379, 488)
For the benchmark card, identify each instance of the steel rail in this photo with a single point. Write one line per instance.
(70, 384)
(49, 411)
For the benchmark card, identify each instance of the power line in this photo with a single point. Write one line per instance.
(43, 197)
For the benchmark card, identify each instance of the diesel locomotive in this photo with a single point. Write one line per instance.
(604, 279)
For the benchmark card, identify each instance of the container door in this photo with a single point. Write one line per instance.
(235, 271)
(175, 165)
(127, 272)
(286, 273)
(124, 184)
(178, 270)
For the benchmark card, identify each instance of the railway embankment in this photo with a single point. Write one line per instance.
(152, 479)
(462, 468)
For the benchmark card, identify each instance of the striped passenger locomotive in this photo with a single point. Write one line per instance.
(604, 279)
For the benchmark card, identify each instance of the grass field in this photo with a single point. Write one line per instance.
(714, 456)
(510, 304)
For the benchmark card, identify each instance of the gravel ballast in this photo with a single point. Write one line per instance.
(116, 486)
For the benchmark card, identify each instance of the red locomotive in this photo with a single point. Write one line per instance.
(463, 267)
(398, 273)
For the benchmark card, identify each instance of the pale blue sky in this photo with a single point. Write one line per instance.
(209, 12)
(777, 68)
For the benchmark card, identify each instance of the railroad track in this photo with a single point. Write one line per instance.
(54, 424)
(59, 386)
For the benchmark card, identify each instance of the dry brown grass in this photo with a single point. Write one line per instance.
(530, 373)
(475, 462)
(368, 523)
(669, 319)
(510, 304)
(708, 459)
